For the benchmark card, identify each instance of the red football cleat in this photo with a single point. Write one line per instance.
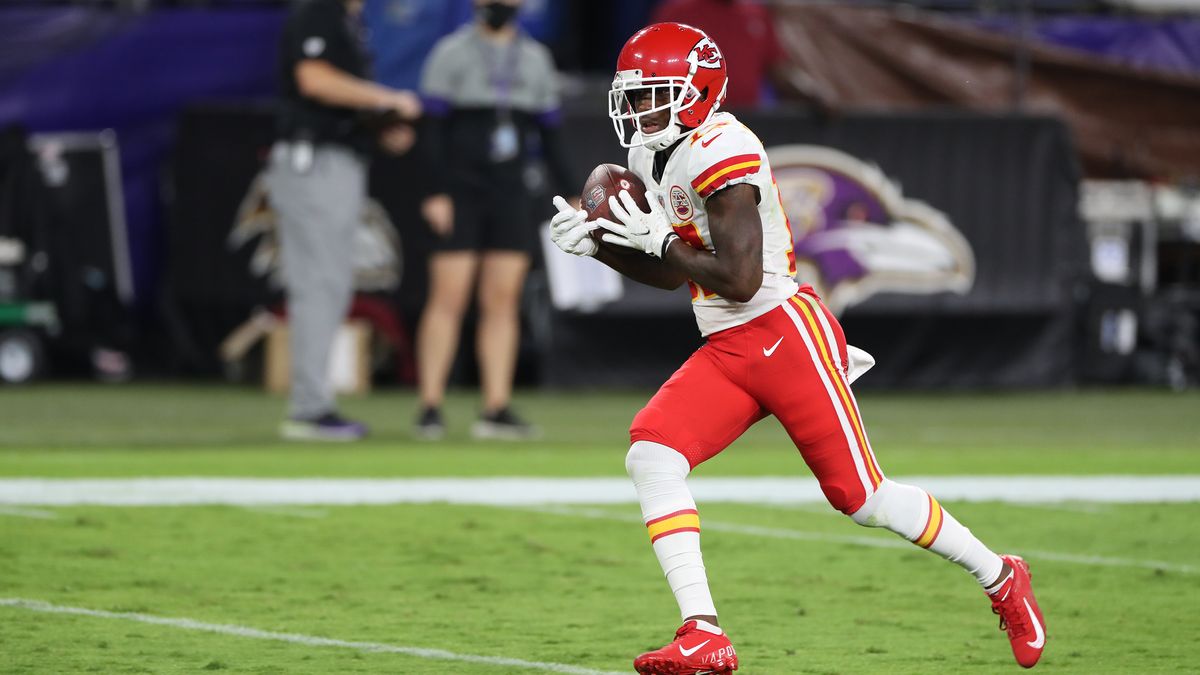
(695, 651)
(1019, 614)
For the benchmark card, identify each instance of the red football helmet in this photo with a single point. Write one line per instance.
(683, 70)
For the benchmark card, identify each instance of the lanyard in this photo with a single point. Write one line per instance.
(503, 72)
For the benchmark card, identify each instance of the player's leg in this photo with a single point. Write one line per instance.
(858, 487)
(695, 415)
(823, 419)
(917, 516)
(501, 280)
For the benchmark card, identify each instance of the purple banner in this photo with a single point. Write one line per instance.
(71, 69)
(1165, 45)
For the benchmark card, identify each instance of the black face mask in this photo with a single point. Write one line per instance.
(497, 14)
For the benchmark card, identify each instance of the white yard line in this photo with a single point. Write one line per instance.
(534, 491)
(717, 526)
(38, 514)
(876, 542)
(291, 512)
(296, 638)
(816, 509)
(1103, 561)
(1070, 492)
(1081, 508)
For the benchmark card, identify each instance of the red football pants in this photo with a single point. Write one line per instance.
(791, 363)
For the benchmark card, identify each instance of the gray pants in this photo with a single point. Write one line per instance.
(318, 204)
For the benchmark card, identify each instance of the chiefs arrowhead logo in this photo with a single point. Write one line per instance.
(705, 54)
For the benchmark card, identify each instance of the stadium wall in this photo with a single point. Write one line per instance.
(1007, 184)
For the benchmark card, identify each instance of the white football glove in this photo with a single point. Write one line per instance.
(649, 232)
(570, 231)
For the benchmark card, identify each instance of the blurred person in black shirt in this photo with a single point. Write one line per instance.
(488, 90)
(331, 115)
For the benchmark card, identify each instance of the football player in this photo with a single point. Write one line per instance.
(717, 224)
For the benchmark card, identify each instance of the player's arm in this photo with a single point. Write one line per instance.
(641, 267)
(734, 269)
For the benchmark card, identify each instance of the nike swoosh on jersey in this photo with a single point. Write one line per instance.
(693, 650)
(768, 352)
(1039, 634)
(704, 144)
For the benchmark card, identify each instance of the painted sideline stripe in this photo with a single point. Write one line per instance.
(531, 491)
(296, 638)
(37, 514)
(288, 511)
(874, 542)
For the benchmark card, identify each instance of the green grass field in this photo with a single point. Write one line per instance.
(362, 589)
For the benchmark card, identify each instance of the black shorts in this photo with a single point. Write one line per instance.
(496, 217)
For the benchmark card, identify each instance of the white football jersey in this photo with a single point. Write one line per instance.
(719, 154)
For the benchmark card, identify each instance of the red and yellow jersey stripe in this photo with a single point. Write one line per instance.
(699, 292)
(687, 520)
(690, 233)
(716, 176)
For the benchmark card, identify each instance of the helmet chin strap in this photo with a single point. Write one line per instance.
(666, 140)
(680, 130)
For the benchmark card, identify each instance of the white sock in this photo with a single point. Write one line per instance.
(659, 474)
(915, 515)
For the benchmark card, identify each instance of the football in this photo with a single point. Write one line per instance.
(608, 180)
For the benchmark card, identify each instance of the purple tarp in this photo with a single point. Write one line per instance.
(73, 69)
(1170, 45)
